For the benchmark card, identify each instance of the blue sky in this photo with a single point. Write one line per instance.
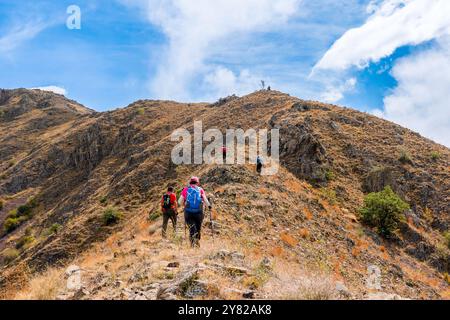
(201, 50)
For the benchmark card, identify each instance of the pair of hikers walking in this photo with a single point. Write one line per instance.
(193, 198)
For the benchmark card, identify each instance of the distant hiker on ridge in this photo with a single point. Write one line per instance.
(259, 164)
(170, 210)
(224, 154)
(193, 198)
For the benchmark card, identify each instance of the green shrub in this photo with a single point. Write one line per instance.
(55, 228)
(141, 111)
(111, 216)
(10, 255)
(329, 175)
(384, 210)
(1, 205)
(11, 224)
(12, 214)
(405, 157)
(24, 210)
(104, 200)
(435, 156)
(17, 216)
(25, 242)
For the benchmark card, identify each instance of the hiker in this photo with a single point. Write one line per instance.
(224, 154)
(269, 88)
(259, 164)
(193, 198)
(170, 210)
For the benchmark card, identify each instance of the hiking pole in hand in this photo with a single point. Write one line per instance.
(211, 222)
(184, 218)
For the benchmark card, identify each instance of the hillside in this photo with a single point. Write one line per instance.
(294, 235)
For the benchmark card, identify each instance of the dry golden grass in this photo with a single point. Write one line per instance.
(277, 251)
(293, 186)
(308, 213)
(316, 289)
(288, 239)
(44, 286)
(419, 276)
(304, 233)
(264, 191)
(293, 282)
(241, 201)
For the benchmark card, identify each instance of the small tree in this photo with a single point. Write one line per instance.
(384, 210)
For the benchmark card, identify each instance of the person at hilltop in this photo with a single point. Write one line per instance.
(194, 198)
(169, 208)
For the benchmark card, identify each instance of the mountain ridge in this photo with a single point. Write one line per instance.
(331, 157)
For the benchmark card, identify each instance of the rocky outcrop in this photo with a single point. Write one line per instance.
(303, 153)
(378, 178)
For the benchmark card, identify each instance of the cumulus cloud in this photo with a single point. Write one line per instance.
(421, 99)
(335, 93)
(392, 24)
(54, 89)
(195, 29)
(222, 81)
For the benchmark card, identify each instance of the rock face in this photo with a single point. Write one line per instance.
(75, 164)
(379, 178)
(303, 153)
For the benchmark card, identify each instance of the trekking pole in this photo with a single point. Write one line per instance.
(184, 218)
(211, 223)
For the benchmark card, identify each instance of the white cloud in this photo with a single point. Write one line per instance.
(19, 35)
(421, 99)
(393, 23)
(196, 29)
(222, 82)
(335, 93)
(54, 89)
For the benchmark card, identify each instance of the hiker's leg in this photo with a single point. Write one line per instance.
(194, 229)
(174, 221)
(164, 226)
(198, 226)
(191, 225)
